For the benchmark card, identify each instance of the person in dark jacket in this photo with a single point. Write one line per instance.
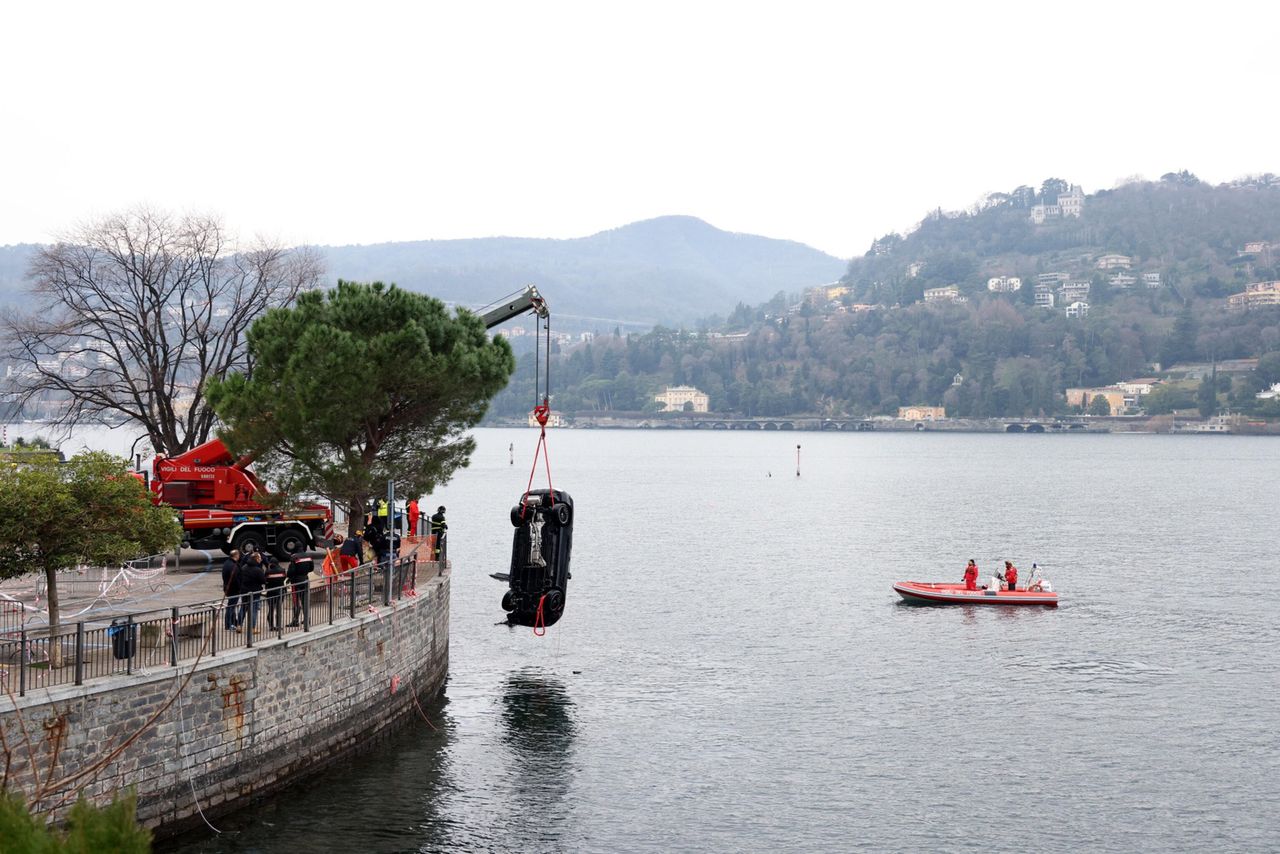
(352, 551)
(440, 528)
(380, 542)
(275, 578)
(231, 590)
(299, 578)
(253, 578)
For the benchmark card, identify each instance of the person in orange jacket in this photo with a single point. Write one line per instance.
(971, 576)
(1010, 575)
(412, 511)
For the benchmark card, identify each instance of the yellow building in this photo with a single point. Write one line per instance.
(676, 396)
(922, 413)
(1255, 294)
(1115, 397)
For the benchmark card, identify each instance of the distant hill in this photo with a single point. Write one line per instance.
(14, 261)
(669, 270)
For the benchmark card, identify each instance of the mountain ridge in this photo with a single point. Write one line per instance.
(665, 270)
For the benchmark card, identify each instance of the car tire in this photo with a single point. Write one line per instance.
(562, 515)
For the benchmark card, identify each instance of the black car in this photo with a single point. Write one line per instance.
(539, 558)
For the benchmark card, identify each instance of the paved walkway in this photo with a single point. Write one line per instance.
(151, 597)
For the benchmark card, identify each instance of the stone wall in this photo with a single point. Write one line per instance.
(246, 722)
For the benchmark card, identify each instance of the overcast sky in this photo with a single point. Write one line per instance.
(818, 122)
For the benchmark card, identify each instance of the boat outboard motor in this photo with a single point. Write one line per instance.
(539, 558)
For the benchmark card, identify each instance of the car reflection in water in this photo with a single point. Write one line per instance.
(539, 729)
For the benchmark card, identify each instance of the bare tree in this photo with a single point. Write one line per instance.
(135, 311)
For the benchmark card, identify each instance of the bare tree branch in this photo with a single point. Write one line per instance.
(134, 312)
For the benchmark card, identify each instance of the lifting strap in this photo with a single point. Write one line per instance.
(540, 412)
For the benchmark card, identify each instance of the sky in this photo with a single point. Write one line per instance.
(825, 123)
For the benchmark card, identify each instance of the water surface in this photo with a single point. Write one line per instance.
(734, 672)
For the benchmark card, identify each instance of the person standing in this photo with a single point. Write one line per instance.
(412, 512)
(971, 576)
(231, 591)
(440, 530)
(275, 577)
(381, 543)
(1010, 575)
(253, 578)
(299, 577)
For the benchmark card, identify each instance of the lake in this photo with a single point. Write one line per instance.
(734, 672)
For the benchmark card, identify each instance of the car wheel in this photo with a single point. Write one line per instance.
(516, 519)
(562, 515)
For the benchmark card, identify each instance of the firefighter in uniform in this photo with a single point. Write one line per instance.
(439, 528)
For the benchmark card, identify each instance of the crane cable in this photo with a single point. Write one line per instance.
(541, 413)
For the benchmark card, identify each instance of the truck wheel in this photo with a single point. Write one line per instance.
(247, 541)
(289, 544)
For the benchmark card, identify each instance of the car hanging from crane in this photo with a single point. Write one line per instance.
(538, 577)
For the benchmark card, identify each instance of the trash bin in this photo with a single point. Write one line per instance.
(124, 638)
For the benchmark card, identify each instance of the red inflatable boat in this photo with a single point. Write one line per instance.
(929, 593)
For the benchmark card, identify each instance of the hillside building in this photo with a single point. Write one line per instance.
(1113, 261)
(676, 396)
(1004, 284)
(1151, 279)
(1137, 387)
(1124, 281)
(1040, 213)
(922, 413)
(1255, 294)
(1078, 309)
(1052, 280)
(950, 293)
(1074, 292)
(1044, 296)
(826, 293)
(1069, 204)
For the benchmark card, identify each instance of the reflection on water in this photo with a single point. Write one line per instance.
(538, 727)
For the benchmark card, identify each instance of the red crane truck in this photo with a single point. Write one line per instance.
(221, 504)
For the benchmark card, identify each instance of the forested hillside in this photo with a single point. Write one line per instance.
(1192, 233)
(878, 346)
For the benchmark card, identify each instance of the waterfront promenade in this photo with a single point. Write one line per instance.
(199, 717)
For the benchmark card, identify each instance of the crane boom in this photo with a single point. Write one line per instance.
(528, 300)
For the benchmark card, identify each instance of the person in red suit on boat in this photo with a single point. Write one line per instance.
(971, 576)
(1011, 575)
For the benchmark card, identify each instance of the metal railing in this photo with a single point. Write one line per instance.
(146, 641)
